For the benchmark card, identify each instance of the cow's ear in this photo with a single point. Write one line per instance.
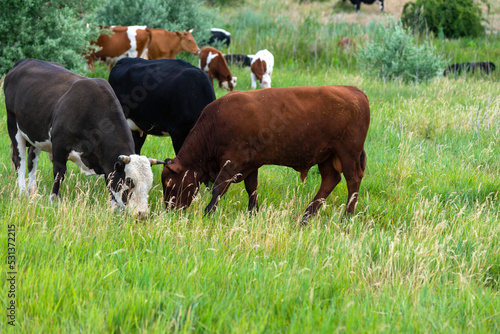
(119, 166)
(174, 166)
(178, 33)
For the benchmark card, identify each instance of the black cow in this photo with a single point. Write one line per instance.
(358, 3)
(240, 60)
(160, 97)
(457, 68)
(219, 35)
(73, 118)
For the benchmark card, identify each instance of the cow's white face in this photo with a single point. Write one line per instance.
(266, 81)
(130, 184)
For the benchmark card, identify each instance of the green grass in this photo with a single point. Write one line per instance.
(421, 255)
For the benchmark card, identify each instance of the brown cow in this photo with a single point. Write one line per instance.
(297, 127)
(346, 43)
(129, 41)
(213, 62)
(167, 45)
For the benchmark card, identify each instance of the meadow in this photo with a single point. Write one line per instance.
(421, 254)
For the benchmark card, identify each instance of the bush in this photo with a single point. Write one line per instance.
(393, 53)
(53, 31)
(170, 15)
(451, 19)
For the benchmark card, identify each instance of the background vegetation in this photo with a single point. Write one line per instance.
(421, 254)
(458, 18)
(392, 53)
(54, 31)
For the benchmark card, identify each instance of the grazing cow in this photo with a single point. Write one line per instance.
(357, 3)
(73, 118)
(346, 43)
(129, 41)
(219, 36)
(297, 127)
(213, 62)
(262, 69)
(240, 60)
(167, 45)
(160, 97)
(457, 68)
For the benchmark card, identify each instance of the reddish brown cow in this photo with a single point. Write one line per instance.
(297, 127)
(167, 45)
(346, 43)
(213, 62)
(123, 42)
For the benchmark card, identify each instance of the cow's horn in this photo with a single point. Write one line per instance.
(191, 30)
(124, 158)
(156, 162)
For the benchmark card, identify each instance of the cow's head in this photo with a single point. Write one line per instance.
(180, 186)
(229, 83)
(130, 183)
(266, 81)
(187, 42)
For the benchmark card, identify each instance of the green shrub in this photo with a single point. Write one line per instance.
(392, 53)
(452, 19)
(54, 31)
(170, 15)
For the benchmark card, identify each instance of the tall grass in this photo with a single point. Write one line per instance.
(420, 255)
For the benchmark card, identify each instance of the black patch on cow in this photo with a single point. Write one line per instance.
(240, 60)
(161, 96)
(358, 3)
(458, 68)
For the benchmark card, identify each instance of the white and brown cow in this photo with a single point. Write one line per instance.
(131, 41)
(73, 118)
(262, 68)
(213, 62)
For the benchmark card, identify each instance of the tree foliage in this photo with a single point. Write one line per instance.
(451, 19)
(393, 53)
(54, 31)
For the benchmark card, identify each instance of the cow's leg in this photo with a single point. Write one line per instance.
(227, 175)
(33, 156)
(251, 182)
(219, 189)
(254, 80)
(19, 148)
(60, 158)
(358, 5)
(353, 169)
(381, 3)
(139, 139)
(12, 129)
(177, 140)
(329, 180)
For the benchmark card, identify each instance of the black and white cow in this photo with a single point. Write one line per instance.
(457, 68)
(160, 97)
(358, 3)
(219, 35)
(52, 109)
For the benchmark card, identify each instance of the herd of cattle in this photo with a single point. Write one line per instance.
(152, 44)
(102, 125)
